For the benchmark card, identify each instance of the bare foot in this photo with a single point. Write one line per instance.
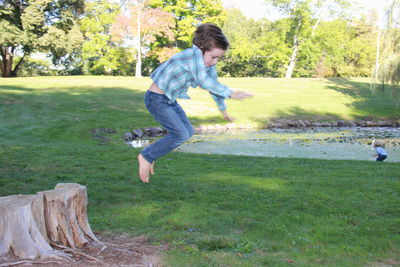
(144, 169)
(152, 168)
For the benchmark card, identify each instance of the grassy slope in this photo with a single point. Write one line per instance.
(212, 209)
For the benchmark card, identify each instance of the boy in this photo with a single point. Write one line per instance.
(194, 67)
(381, 154)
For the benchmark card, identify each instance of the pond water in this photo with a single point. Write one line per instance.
(320, 143)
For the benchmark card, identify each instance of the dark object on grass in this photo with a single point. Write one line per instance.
(144, 132)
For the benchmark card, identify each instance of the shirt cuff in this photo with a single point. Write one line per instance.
(227, 93)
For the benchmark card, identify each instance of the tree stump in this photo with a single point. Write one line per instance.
(29, 224)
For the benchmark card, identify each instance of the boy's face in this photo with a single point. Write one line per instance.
(211, 57)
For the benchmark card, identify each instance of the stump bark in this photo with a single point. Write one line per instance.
(29, 224)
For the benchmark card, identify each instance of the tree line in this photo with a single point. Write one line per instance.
(313, 38)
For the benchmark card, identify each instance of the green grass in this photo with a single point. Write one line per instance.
(212, 210)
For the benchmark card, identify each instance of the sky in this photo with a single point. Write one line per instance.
(258, 9)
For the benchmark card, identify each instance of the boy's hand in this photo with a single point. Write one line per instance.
(227, 117)
(240, 95)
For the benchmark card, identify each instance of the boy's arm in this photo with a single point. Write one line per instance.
(212, 71)
(204, 80)
(221, 106)
(207, 79)
(227, 117)
(218, 99)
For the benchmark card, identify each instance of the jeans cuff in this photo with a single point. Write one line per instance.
(150, 160)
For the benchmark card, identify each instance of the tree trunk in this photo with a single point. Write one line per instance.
(377, 55)
(138, 71)
(2, 62)
(15, 70)
(292, 60)
(7, 61)
(314, 28)
(295, 49)
(7, 55)
(29, 224)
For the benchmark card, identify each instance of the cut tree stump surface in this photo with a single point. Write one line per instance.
(29, 224)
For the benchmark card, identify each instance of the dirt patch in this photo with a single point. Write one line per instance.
(122, 250)
(99, 135)
(385, 263)
(11, 101)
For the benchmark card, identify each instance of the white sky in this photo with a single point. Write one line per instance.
(258, 9)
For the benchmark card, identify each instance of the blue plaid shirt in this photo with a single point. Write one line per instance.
(186, 69)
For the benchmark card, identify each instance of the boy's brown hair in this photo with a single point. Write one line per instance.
(208, 36)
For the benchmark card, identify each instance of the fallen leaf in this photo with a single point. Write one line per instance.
(288, 260)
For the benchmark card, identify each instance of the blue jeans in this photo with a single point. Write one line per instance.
(172, 117)
(381, 157)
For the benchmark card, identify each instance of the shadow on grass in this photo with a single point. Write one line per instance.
(15, 88)
(69, 113)
(365, 105)
(379, 104)
(297, 113)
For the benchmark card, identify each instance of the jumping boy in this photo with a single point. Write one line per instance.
(194, 67)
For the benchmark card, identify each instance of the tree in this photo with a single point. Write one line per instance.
(345, 48)
(188, 14)
(305, 16)
(387, 68)
(37, 25)
(99, 53)
(257, 48)
(144, 25)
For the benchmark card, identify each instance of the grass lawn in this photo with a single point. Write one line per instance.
(212, 210)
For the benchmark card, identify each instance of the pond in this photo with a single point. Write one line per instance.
(319, 142)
